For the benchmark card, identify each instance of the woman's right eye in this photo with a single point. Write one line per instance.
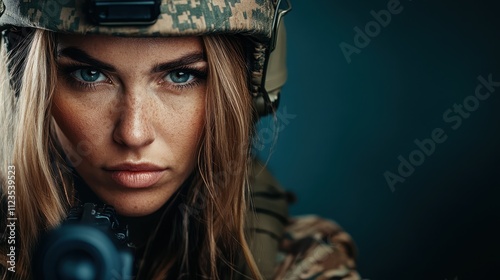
(88, 75)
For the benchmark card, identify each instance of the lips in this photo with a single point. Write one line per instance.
(136, 175)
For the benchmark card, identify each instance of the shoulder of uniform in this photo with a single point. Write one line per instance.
(269, 216)
(316, 248)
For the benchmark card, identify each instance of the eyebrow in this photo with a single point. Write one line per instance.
(83, 57)
(187, 59)
(79, 55)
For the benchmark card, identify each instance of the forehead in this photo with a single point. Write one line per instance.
(102, 45)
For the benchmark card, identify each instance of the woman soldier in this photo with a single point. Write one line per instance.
(147, 106)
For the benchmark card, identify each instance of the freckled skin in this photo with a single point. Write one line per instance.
(132, 118)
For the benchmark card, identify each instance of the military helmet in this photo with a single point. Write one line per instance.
(258, 20)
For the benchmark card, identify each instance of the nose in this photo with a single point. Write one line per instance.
(133, 128)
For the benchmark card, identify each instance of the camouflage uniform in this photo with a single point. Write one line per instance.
(305, 247)
(315, 248)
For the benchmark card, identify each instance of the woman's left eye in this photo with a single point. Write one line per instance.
(89, 75)
(179, 77)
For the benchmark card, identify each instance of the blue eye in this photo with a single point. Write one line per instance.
(179, 77)
(89, 75)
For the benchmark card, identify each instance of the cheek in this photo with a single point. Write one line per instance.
(76, 127)
(186, 128)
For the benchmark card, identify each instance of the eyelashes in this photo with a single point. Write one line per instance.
(88, 78)
(184, 77)
(88, 75)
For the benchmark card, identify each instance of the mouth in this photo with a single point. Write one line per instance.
(136, 175)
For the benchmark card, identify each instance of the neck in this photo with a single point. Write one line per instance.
(142, 228)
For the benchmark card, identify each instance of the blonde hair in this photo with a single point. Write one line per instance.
(204, 240)
(39, 201)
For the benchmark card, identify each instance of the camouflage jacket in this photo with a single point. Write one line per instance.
(305, 247)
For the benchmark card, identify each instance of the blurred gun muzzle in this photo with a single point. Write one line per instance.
(90, 244)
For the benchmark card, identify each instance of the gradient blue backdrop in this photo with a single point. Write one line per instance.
(352, 121)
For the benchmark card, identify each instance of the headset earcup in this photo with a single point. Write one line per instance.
(276, 74)
(276, 68)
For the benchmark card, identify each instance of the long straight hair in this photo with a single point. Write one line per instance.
(39, 202)
(202, 236)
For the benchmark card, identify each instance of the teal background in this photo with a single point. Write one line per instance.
(352, 121)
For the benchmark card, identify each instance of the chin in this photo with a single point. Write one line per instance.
(135, 212)
(134, 205)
